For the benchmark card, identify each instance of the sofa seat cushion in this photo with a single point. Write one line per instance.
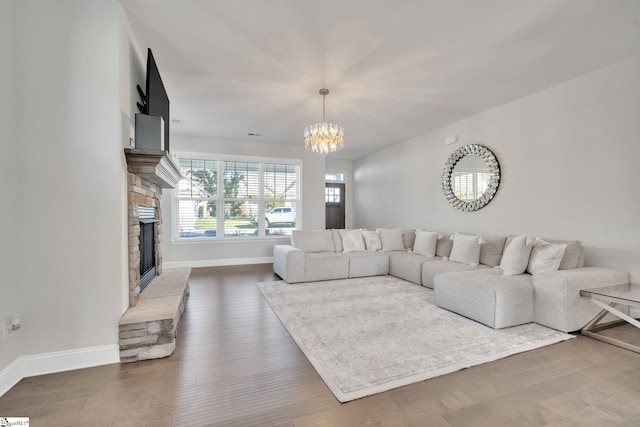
(407, 266)
(363, 264)
(439, 266)
(487, 296)
(325, 266)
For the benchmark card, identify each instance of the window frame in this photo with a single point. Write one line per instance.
(261, 200)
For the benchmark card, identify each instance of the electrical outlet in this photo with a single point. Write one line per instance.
(5, 330)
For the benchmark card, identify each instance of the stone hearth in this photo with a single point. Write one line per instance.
(149, 330)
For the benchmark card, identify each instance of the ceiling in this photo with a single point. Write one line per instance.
(395, 69)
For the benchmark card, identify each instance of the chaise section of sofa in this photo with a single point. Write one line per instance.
(558, 303)
(487, 296)
(550, 298)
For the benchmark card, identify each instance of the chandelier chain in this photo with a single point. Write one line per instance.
(323, 107)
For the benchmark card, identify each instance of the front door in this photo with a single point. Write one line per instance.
(334, 198)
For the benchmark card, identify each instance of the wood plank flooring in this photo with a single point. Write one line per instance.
(235, 365)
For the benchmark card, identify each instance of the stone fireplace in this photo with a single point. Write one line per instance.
(149, 172)
(144, 212)
(148, 329)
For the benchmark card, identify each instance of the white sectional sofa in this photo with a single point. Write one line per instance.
(500, 281)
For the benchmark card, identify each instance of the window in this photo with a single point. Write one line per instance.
(226, 198)
(334, 176)
(332, 195)
(470, 185)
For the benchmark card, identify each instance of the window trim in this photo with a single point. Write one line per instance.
(221, 158)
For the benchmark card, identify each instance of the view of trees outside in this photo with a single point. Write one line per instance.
(249, 190)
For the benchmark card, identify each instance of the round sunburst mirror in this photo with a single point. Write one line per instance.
(471, 177)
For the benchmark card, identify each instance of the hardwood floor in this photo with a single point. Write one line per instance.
(235, 365)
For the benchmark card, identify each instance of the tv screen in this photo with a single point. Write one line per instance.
(157, 99)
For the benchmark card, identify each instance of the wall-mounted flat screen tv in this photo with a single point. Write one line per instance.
(157, 101)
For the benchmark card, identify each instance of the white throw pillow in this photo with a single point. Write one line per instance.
(545, 256)
(352, 240)
(391, 239)
(515, 257)
(466, 248)
(372, 240)
(425, 243)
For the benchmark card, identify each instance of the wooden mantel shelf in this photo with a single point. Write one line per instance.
(155, 166)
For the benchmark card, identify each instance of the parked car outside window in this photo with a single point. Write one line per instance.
(280, 215)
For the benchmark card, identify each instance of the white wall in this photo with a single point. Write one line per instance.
(569, 159)
(195, 253)
(10, 301)
(132, 73)
(68, 176)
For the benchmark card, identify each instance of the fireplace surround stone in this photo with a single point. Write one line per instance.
(148, 329)
(142, 193)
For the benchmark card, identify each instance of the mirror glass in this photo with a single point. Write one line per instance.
(471, 177)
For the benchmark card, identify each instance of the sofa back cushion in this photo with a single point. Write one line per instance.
(491, 250)
(313, 240)
(391, 239)
(337, 240)
(408, 237)
(444, 245)
(573, 255)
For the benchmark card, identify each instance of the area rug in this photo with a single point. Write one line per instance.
(368, 335)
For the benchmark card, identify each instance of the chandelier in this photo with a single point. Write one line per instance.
(323, 137)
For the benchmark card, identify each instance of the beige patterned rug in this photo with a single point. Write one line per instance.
(368, 335)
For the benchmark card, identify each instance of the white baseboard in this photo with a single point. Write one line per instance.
(10, 376)
(217, 262)
(48, 363)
